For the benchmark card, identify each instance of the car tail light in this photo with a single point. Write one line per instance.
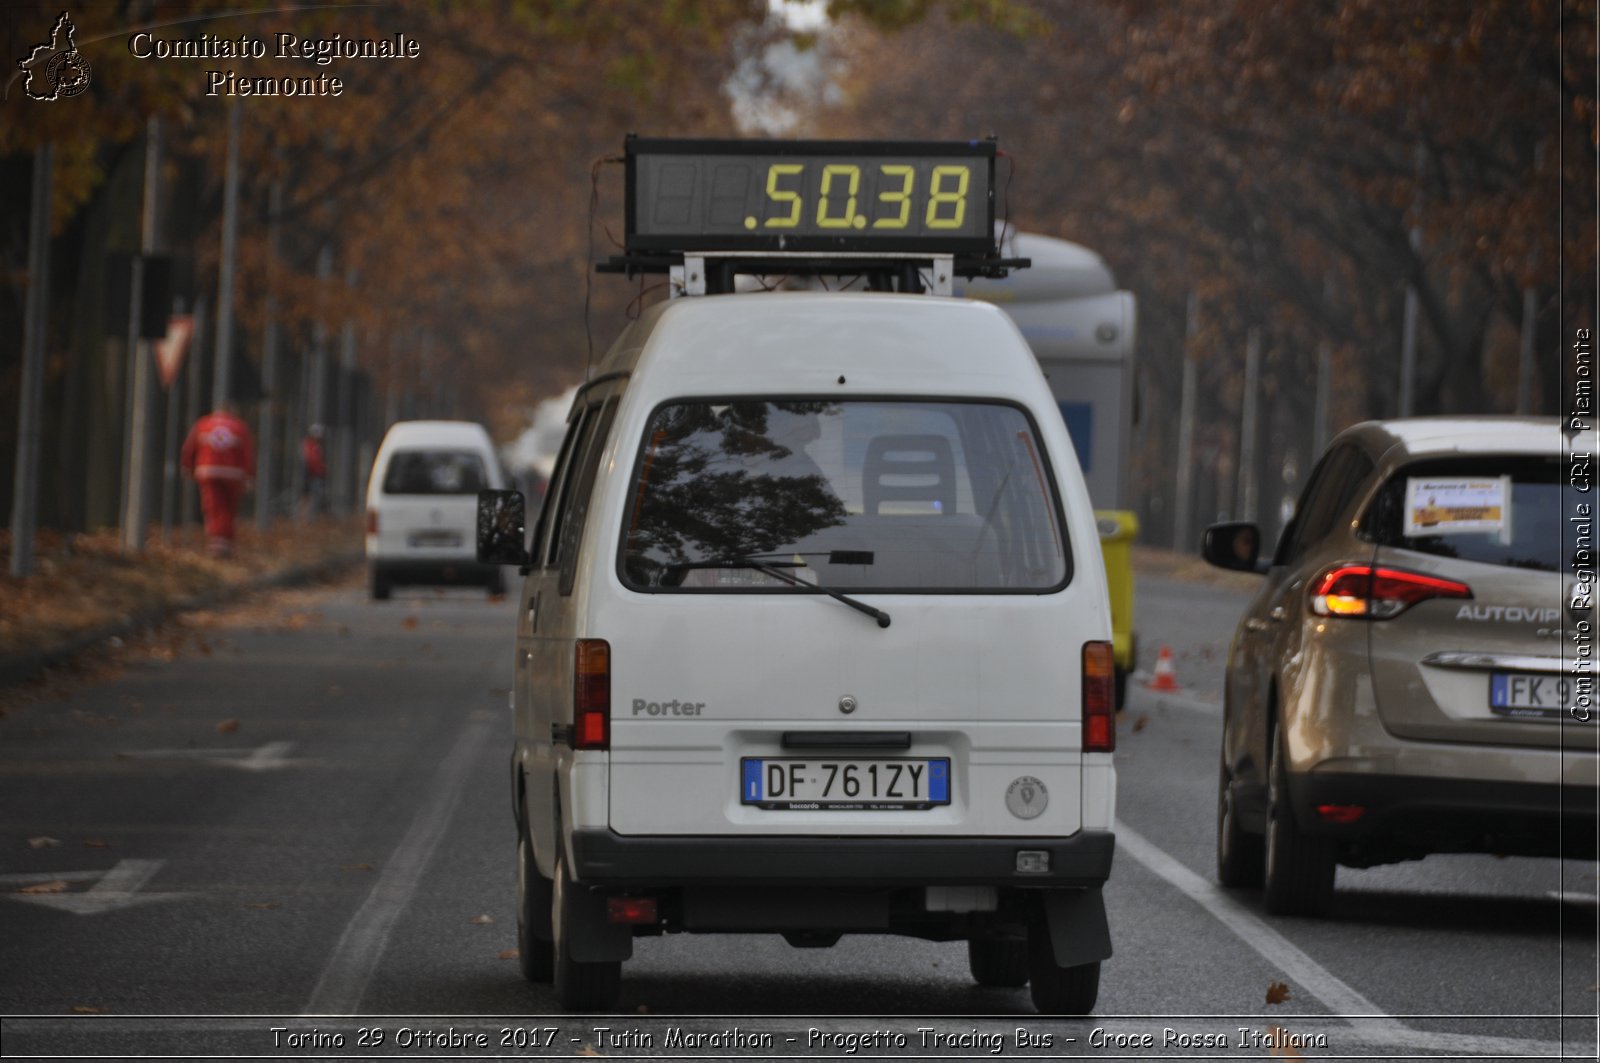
(1378, 593)
(631, 910)
(592, 696)
(1099, 698)
(372, 522)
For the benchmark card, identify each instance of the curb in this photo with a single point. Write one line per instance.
(20, 667)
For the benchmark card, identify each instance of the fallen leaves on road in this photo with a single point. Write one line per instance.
(1277, 993)
(1138, 725)
(43, 842)
(264, 906)
(53, 886)
(587, 1050)
(96, 843)
(509, 954)
(227, 727)
(409, 623)
(355, 867)
(87, 1009)
(481, 920)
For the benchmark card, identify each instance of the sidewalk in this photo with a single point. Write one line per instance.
(84, 591)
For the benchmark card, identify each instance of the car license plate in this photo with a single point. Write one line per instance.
(817, 784)
(436, 538)
(1540, 697)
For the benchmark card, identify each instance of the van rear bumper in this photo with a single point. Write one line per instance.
(606, 858)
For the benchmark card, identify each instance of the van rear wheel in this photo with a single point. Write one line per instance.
(998, 961)
(1059, 990)
(535, 954)
(579, 986)
(381, 585)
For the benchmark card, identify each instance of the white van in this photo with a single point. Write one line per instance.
(422, 505)
(814, 640)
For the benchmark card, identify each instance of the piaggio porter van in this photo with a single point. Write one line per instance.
(814, 635)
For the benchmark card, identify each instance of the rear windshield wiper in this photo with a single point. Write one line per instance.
(772, 565)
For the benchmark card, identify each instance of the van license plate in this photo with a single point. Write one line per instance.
(812, 785)
(436, 538)
(1537, 697)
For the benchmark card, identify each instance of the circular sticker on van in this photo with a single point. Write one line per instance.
(1026, 797)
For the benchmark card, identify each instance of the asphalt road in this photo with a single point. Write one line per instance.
(303, 825)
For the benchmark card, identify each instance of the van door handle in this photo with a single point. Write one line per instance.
(1277, 614)
(1255, 624)
(533, 614)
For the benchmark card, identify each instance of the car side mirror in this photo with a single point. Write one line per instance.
(1234, 545)
(502, 528)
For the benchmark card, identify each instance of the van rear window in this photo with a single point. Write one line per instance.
(851, 495)
(434, 472)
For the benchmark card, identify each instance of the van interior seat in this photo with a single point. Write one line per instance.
(909, 468)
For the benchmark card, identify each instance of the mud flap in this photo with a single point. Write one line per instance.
(1079, 932)
(587, 934)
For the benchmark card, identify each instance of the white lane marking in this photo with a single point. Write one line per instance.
(113, 890)
(1369, 1024)
(355, 958)
(1276, 949)
(268, 757)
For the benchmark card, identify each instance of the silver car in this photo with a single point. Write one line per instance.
(1398, 687)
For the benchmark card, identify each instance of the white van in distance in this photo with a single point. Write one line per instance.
(422, 506)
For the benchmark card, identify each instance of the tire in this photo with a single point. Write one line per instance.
(578, 986)
(381, 586)
(998, 961)
(535, 955)
(1299, 869)
(1241, 856)
(1058, 990)
(497, 584)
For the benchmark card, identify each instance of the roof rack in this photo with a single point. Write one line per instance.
(905, 215)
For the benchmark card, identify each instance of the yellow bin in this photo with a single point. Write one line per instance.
(1118, 527)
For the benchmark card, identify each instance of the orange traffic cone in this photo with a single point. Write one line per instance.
(1163, 678)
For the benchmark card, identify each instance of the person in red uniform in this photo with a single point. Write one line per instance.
(316, 467)
(219, 456)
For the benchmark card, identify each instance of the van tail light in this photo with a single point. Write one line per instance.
(591, 701)
(1099, 698)
(372, 522)
(1375, 593)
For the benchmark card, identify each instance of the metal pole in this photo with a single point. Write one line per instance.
(1530, 321)
(1183, 512)
(319, 341)
(1319, 410)
(222, 384)
(169, 454)
(1408, 339)
(1247, 428)
(189, 500)
(266, 463)
(30, 412)
(136, 512)
(342, 474)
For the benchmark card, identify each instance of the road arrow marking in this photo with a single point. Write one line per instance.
(268, 757)
(112, 890)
